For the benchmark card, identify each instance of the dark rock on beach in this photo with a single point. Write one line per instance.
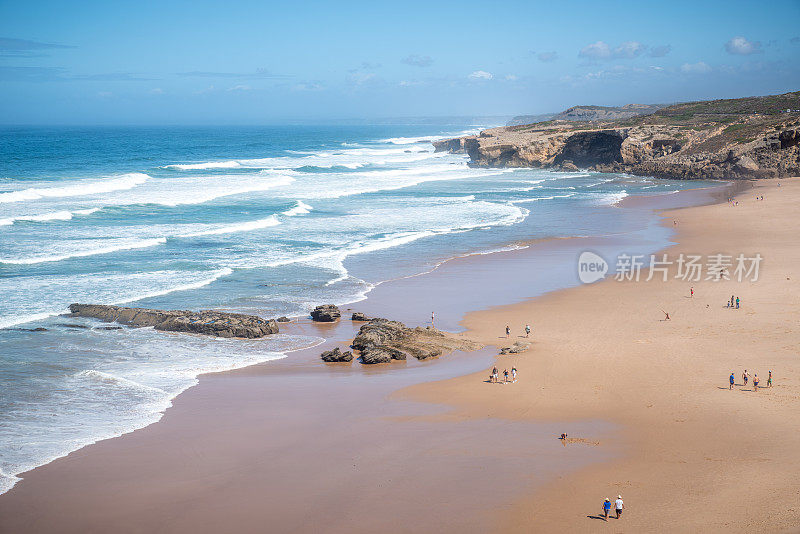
(358, 316)
(282, 319)
(37, 329)
(336, 355)
(382, 340)
(326, 313)
(74, 325)
(212, 323)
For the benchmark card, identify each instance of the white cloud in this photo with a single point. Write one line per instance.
(157, 91)
(361, 77)
(598, 50)
(740, 46)
(105, 94)
(481, 75)
(240, 87)
(602, 50)
(409, 83)
(309, 86)
(511, 77)
(695, 68)
(629, 49)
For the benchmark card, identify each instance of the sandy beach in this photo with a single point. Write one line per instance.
(297, 446)
(698, 456)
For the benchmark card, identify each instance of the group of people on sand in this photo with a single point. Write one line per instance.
(527, 331)
(494, 378)
(733, 303)
(746, 379)
(618, 506)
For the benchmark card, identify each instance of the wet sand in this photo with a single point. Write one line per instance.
(296, 445)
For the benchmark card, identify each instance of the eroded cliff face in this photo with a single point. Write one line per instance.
(673, 143)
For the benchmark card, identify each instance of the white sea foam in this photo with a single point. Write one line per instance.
(45, 217)
(248, 226)
(79, 188)
(536, 199)
(120, 245)
(410, 140)
(232, 164)
(300, 209)
(611, 198)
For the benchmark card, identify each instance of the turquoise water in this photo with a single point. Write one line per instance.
(263, 220)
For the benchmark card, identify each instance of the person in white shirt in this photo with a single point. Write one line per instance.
(618, 506)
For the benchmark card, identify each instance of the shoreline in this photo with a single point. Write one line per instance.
(255, 370)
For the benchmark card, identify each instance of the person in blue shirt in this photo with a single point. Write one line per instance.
(731, 381)
(606, 508)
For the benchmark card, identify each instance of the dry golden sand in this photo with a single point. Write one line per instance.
(698, 457)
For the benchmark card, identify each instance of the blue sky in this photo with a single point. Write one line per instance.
(265, 62)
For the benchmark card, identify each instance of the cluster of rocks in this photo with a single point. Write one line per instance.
(212, 323)
(329, 313)
(337, 355)
(516, 348)
(384, 341)
(326, 313)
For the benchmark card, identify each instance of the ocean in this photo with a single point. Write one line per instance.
(261, 220)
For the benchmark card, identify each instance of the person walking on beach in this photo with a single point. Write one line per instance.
(494, 375)
(431, 318)
(527, 330)
(505, 375)
(755, 382)
(769, 380)
(732, 301)
(606, 509)
(508, 331)
(514, 374)
(618, 506)
(691, 292)
(731, 380)
(745, 377)
(737, 303)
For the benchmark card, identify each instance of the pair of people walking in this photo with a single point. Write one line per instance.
(527, 331)
(618, 506)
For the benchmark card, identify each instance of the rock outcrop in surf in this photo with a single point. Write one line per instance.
(207, 322)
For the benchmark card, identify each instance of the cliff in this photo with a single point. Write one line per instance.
(589, 113)
(754, 137)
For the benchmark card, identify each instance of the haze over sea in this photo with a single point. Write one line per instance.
(262, 220)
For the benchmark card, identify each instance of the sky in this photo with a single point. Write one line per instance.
(262, 62)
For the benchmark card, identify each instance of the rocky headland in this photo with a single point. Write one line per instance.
(211, 323)
(756, 137)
